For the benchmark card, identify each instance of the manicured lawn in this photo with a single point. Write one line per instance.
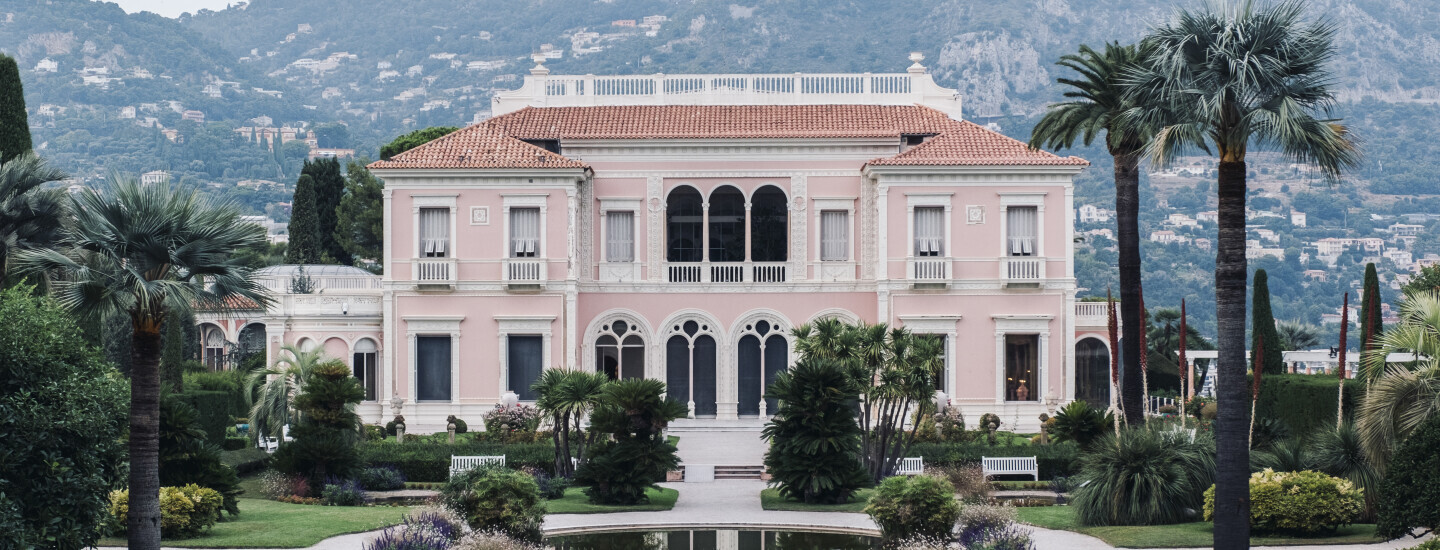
(770, 499)
(1185, 535)
(270, 524)
(575, 502)
(675, 439)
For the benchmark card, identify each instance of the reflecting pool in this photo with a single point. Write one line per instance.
(721, 539)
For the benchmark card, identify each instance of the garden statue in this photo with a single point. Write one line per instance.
(451, 429)
(1044, 429)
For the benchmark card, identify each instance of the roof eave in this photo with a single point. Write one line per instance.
(577, 171)
(872, 169)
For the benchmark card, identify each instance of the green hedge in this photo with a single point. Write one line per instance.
(214, 408)
(430, 462)
(223, 381)
(1304, 402)
(1054, 459)
(246, 460)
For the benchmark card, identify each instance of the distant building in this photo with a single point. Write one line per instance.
(484, 35)
(193, 115)
(171, 134)
(1207, 216)
(258, 184)
(1181, 220)
(47, 65)
(1257, 253)
(325, 153)
(1090, 213)
(1267, 235)
(212, 91)
(623, 23)
(153, 177)
(1167, 237)
(1203, 243)
(1317, 275)
(303, 28)
(1402, 258)
(331, 92)
(1406, 229)
(127, 111)
(262, 121)
(1297, 219)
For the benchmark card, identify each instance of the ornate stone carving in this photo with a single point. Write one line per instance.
(798, 228)
(654, 196)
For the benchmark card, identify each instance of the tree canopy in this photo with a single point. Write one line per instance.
(413, 139)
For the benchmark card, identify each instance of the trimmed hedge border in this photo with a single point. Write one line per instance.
(214, 408)
(1054, 459)
(246, 461)
(430, 462)
(1304, 402)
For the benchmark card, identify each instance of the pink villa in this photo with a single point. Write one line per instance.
(677, 227)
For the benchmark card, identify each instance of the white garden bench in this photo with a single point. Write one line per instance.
(910, 466)
(1009, 465)
(460, 464)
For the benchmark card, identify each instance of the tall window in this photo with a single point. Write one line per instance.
(727, 225)
(1092, 372)
(524, 360)
(929, 231)
(690, 367)
(684, 225)
(834, 236)
(365, 358)
(434, 232)
(620, 236)
(769, 233)
(215, 349)
(620, 352)
(1020, 224)
(1022, 353)
(432, 368)
(762, 355)
(524, 232)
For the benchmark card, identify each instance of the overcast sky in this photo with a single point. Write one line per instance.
(172, 8)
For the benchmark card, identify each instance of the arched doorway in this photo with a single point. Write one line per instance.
(252, 341)
(690, 366)
(620, 351)
(762, 354)
(684, 225)
(727, 225)
(1092, 372)
(213, 351)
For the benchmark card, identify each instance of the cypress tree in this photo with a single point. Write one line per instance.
(329, 189)
(304, 247)
(1262, 326)
(14, 124)
(1370, 301)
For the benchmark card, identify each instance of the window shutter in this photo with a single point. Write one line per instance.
(620, 236)
(834, 235)
(929, 231)
(524, 232)
(434, 232)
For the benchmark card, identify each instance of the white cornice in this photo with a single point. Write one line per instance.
(989, 170)
(727, 173)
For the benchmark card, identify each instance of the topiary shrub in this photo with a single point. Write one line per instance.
(913, 507)
(460, 426)
(1081, 423)
(325, 441)
(390, 426)
(1146, 477)
(814, 453)
(497, 499)
(184, 511)
(1301, 503)
(1410, 494)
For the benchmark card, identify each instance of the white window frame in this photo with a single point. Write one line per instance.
(525, 200)
(1023, 325)
(944, 325)
(632, 205)
(522, 325)
(418, 201)
(835, 204)
(928, 200)
(434, 325)
(1035, 199)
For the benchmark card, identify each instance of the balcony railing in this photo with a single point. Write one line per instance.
(727, 272)
(434, 271)
(1022, 269)
(929, 269)
(525, 270)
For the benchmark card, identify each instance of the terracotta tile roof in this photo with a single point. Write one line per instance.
(496, 143)
(478, 146)
(232, 303)
(968, 144)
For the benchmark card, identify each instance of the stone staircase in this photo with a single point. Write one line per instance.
(738, 472)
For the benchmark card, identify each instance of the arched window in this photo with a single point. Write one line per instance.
(727, 225)
(684, 225)
(763, 354)
(619, 351)
(1092, 372)
(214, 353)
(769, 230)
(252, 340)
(366, 357)
(690, 366)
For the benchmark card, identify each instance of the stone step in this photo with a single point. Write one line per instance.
(739, 472)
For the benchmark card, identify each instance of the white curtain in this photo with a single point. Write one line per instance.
(620, 236)
(1020, 222)
(524, 232)
(929, 231)
(434, 232)
(834, 235)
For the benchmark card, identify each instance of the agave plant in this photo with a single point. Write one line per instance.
(1146, 476)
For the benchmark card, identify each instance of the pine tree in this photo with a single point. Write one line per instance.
(14, 124)
(360, 227)
(1370, 320)
(304, 246)
(325, 438)
(329, 189)
(1262, 326)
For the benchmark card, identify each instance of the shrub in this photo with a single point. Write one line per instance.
(213, 412)
(382, 478)
(372, 432)
(519, 418)
(245, 461)
(918, 506)
(390, 426)
(986, 420)
(1081, 423)
(325, 440)
(235, 443)
(1410, 494)
(968, 480)
(489, 540)
(1305, 403)
(1169, 409)
(1302, 503)
(184, 511)
(1147, 477)
(229, 382)
(1195, 406)
(460, 426)
(420, 461)
(633, 414)
(950, 426)
(992, 528)
(497, 499)
(186, 457)
(551, 488)
(814, 453)
(1432, 544)
(342, 493)
(61, 409)
(1058, 459)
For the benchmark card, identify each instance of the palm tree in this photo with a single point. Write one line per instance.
(1098, 102)
(271, 391)
(1224, 78)
(568, 396)
(1402, 396)
(1297, 335)
(146, 252)
(29, 216)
